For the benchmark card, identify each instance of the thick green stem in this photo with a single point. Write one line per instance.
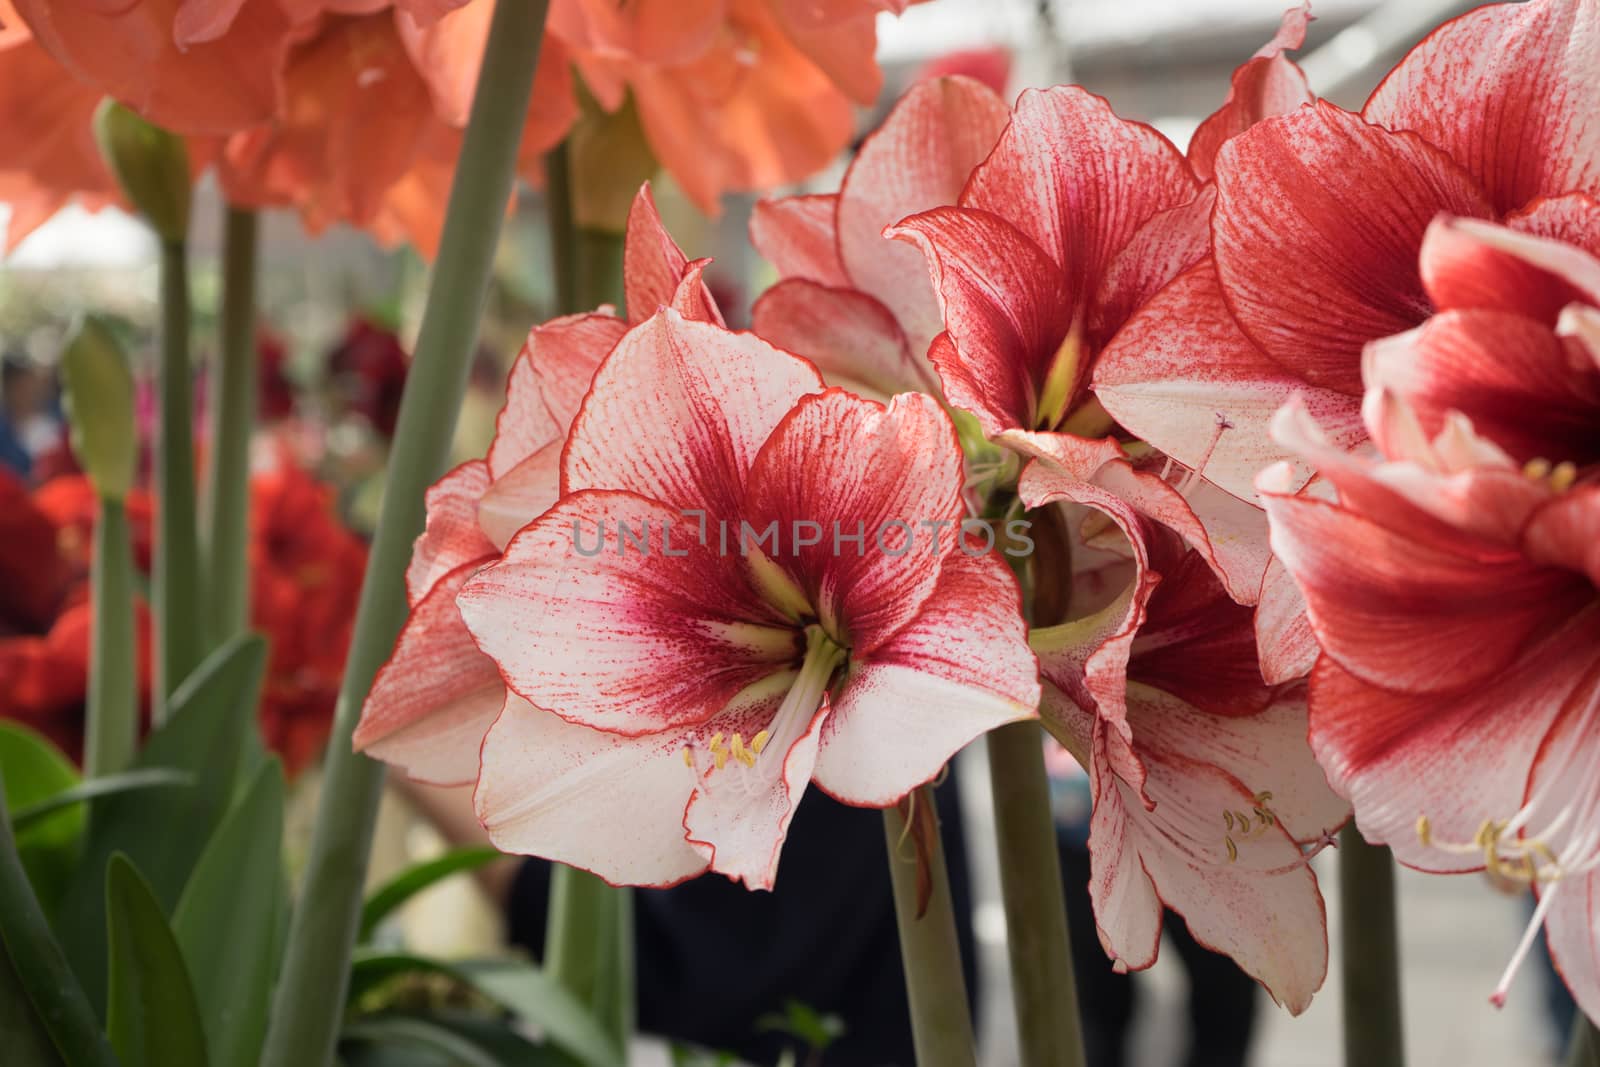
(589, 927)
(177, 597)
(39, 965)
(232, 411)
(1584, 1048)
(113, 711)
(589, 946)
(1370, 939)
(941, 1018)
(588, 261)
(1043, 986)
(309, 1001)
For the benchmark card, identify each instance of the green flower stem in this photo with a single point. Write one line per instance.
(1369, 938)
(588, 261)
(1042, 980)
(589, 927)
(309, 1000)
(39, 965)
(1584, 1049)
(233, 415)
(941, 1018)
(113, 711)
(180, 624)
(589, 946)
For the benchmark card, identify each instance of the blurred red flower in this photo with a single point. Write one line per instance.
(306, 572)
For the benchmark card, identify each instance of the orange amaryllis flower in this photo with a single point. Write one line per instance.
(369, 127)
(731, 94)
(192, 66)
(48, 156)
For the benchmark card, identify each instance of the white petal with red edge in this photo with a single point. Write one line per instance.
(607, 804)
(960, 669)
(854, 340)
(452, 536)
(432, 702)
(1573, 931)
(548, 382)
(744, 828)
(1257, 902)
(918, 159)
(796, 235)
(1211, 414)
(521, 495)
(678, 412)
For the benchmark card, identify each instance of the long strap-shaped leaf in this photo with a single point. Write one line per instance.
(227, 921)
(151, 1012)
(40, 967)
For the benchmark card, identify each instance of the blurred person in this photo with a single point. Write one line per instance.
(28, 425)
(1221, 997)
(714, 958)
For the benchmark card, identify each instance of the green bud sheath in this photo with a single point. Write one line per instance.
(150, 164)
(99, 400)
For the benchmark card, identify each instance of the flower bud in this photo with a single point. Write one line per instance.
(98, 395)
(150, 164)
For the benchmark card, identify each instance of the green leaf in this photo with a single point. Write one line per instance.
(126, 782)
(226, 921)
(164, 830)
(40, 983)
(520, 988)
(28, 1043)
(493, 1036)
(416, 1033)
(151, 1014)
(801, 1020)
(409, 882)
(35, 771)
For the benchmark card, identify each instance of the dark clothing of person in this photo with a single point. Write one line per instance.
(714, 957)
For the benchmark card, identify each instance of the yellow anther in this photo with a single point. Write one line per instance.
(688, 759)
(737, 745)
(1227, 819)
(1233, 849)
(1563, 476)
(1537, 469)
(716, 741)
(759, 742)
(1425, 831)
(719, 756)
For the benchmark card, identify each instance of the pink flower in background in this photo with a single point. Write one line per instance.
(1456, 597)
(432, 702)
(684, 696)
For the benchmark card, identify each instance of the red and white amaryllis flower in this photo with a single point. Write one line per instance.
(678, 675)
(1513, 342)
(1074, 220)
(1320, 216)
(1456, 597)
(857, 305)
(431, 704)
(1206, 797)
